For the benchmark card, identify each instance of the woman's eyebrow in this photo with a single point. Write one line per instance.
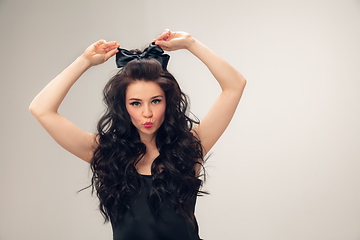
(157, 96)
(138, 99)
(134, 99)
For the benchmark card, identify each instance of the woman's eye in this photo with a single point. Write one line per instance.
(135, 104)
(156, 101)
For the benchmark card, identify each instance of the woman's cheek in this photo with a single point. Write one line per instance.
(162, 114)
(133, 116)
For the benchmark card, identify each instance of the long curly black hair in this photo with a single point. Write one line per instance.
(119, 148)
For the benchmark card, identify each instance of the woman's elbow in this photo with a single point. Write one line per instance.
(35, 110)
(241, 83)
(32, 109)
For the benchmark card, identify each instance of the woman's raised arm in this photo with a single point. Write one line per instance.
(45, 105)
(231, 82)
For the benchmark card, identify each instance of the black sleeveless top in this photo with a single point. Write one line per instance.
(142, 225)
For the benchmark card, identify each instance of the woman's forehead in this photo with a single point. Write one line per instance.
(143, 90)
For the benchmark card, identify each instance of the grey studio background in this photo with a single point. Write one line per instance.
(286, 168)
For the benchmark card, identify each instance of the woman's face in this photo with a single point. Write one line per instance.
(146, 104)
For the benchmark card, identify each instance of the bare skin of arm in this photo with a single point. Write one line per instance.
(230, 80)
(45, 105)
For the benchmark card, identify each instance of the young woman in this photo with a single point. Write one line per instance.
(147, 154)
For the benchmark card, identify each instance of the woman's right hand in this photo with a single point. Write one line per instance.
(100, 52)
(45, 105)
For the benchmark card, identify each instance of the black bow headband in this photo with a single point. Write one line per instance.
(153, 51)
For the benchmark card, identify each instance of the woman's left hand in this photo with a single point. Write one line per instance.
(171, 41)
(100, 52)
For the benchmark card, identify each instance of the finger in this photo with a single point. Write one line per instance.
(99, 45)
(163, 47)
(111, 53)
(163, 44)
(161, 37)
(167, 32)
(110, 46)
(112, 43)
(165, 35)
(109, 49)
(100, 42)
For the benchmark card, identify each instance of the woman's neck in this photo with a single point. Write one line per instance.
(145, 163)
(148, 140)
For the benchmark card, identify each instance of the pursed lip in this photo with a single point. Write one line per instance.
(148, 124)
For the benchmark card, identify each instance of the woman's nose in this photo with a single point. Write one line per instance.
(147, 112)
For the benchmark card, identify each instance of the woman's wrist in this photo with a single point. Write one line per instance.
(83, 62)
(194, 46)
(190, 42)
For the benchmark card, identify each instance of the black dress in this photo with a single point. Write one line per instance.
(142, 225)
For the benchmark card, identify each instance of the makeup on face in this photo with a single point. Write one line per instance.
(148, 123)
(145, 103)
